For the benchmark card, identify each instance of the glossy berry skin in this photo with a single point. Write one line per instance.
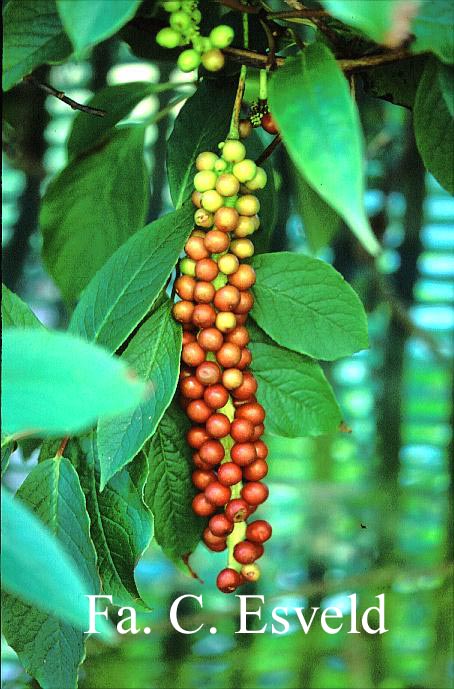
(210, 339)
(242, 430)
(201, 506)
(245, 303)
(247, 388)
(188, 337)
(225, 321)
(213, 542)
(252, 411)
(228, 264)
(201, 478)
(232, 378)
(199, 464)
(226, 219)
(193, 354)
(216, 396)
(206, 269)
(196, 249)
(212, 452)
(204, 293)
(243, 278)
(217, 494)
(216, 241)
(255, 471)
(183, 311)
(191, 388)
(227, 298)
(203, 316)
(245, 552)
(261, 449)
(198, 411)
(219, 525)
(238, 336)
(259, 430)
(228, 355)
(237, 510)
(208, 373)
(228, 580)
(243, 454)
(254, 492)
(229, 474)
(218, 426)
(268, 124)
(246, 359)
(184, 287)
(196, 436)
(259, 531)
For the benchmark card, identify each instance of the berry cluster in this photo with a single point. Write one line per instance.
(217, 388)
(184, 30)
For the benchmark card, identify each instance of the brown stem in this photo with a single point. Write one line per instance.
(62, 447)
(269, 150)
(237, 5)
(297, 14)
(65, 99)
(271, 44)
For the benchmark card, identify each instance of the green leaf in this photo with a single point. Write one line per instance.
(433, 120)
(56, 384)
(91, 21)
(16, 313)
(92, 207)
(202, 123)
(117, 100)
(154, 353)
(121, 525)
(8, 447)
(320, 126)
(375, 19)
(320, 221)
(169, 490)
(126, 287)
(306, 305)
(297, 397)
(32, 35)
(50, 649)
(433, 27)
(396, 82)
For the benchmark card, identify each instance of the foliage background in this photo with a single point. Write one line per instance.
(391, 474)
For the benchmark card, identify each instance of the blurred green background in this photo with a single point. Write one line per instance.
(390, 474)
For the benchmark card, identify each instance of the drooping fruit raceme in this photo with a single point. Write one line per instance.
(184, 30)
(217, 387)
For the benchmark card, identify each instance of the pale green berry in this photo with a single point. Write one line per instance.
(188, 60)
(212, 201)
(205, 180)
(213, 60)
(187, 267)
(258, 181)
(248, 205)
(245, 170)
(222, 36)
(233, 151)
(168, 38)
(180, 21)
(196, 16)
(220, 165)
(171, 6)
(227, 185)
(206, 161)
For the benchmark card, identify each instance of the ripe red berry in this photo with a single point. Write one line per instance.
(239, 336)
(193, 354)
(212, 452)
(196, 436)
(190, 387)
(217, 494)
(196, 249)
(184, 287)
(208, 373)
(229, 473)
(254, 492)
(242, 430)
(206, 269)
(243, 278)
(226, 219)
(204, 293)
(243, 454)
(245, 552)
(256, 471)
(259, 430)
(188, 337)
(201, 478)
(218, 425)
(246, 359)
(268, 124)
(201, 506)
(247, 388)
(220, 525)
(259, 531)
(210, 339)
(213, 542)
(228, 580)
(203, 315)
(227, 298)
(237, 510)
(228, 355)
(261, 449)
(216, 396)
(183, 311)
(246, 302)
(198, 411)
(252, 411)
(199, 464)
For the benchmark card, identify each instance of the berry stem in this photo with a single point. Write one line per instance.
(263, 85)
(234, 132)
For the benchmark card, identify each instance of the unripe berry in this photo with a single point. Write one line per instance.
(228, 355)
(218, 426)
(201, 506)
(219, 525)
(254, 492)
(227, 185)
(242, 430)
(213, 60)
(216, 396)
(195, 248)
(201, 478)
(192, 353)
(252, 411)
(245, 227)
(212, 452)
(237, 510)
(208, 373)
(228, 580)
(203, 218)
(245, 128)
(216, 241)
(227, 298)
(180, 21)
(243, 454)
(251, 572)
(239, 336)
(245, 552)
(220, 165)
(168, 38)
(243, 278)
(232, 378)
(259, 531)
(187, 267)
(268, 124)
(212, 200)
(243, 248)
(199, 412)
(183, 311)
(256, 471)
(203, 315)
(225, 321)
(226, 219)
(188, 60)
(247, 205)
(246, 358)
(259, 180)
(206, 269)
(228, 264)
(191, 388)
(229, 474)
(210, 339)
(204, 292)
(196, 436)
(205, 180)
(221, 36)
(245, 170)
(217, 494)
(206, 160)
(233, 151)
(171, 5)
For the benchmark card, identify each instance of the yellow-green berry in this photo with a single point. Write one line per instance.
(206, 161)
(258, 181)
(248, 205)
(188, 60)
(180, 21)
(233, 151)
(212, 200)
(222, 36)
(168, 38)
(205, 180)
(187, 266)
(245, 170)
(243, 248)
(213, 60)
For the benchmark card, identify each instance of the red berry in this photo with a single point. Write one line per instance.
(242, 430)
(246, 359)
(229, 474)
(243, 278)
(254, 492)
(259, 531)
(212, 452)
(216, 396)
(198, 411)
(204, 293)
(192, 388)
(208, 373)
(256, 471)
(261, 449)
(210, 339)
(213, 542)
(268, 124)
(227, 298)
(218, 425)
(184, 287)
(188, 337)
(203, 316)
(201, 478)
(238, 336)
(201, 506)
(259, 430)
(229, 355)
(195, 248)
(237, 510)
(216, 241)
(183, 311)
(206, 269)
(247, 388)
(228, 580)
(196, 436)
(246, 302)
(220, 525)
(193, 354)
(243, 454)
(217, 494)
(252, 411)
(245, 552)
(199, 463)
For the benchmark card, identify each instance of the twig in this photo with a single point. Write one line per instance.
(237, 5)
(271, 44)
(269, 150)
(298, 14)
(234, 132)
(62, 447)
(65, 99)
